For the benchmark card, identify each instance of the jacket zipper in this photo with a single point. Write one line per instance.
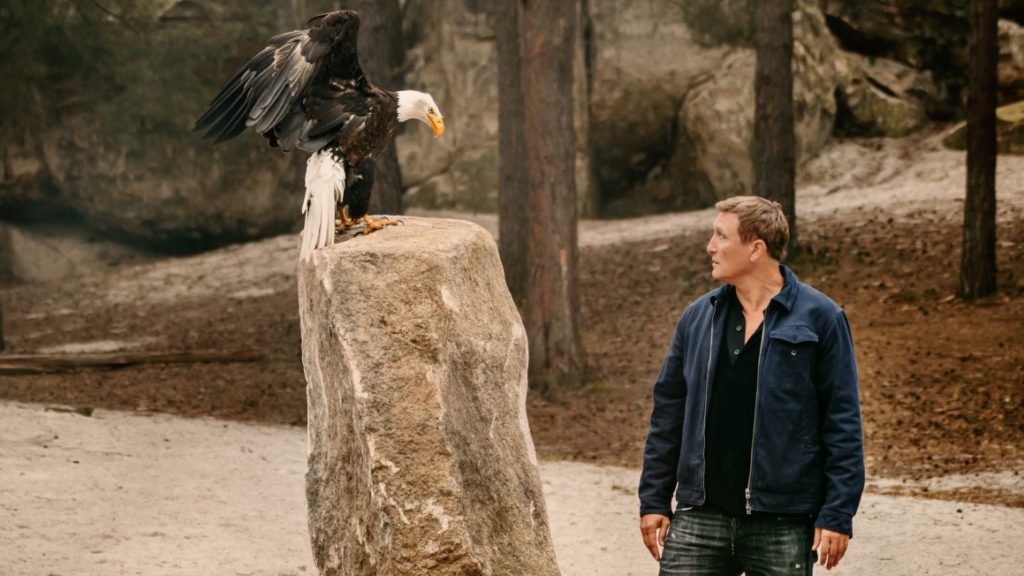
(707, 389)
(757, 394)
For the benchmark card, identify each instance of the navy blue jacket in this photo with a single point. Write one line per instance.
(808, 450)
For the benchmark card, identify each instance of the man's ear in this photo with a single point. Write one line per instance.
(758, 250)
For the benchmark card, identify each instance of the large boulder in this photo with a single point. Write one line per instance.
(921, 33)
(644, 58)
(1010, 66)
(108, 133)
(421, 460)
(710, 158)
(1009, 131)
(163, 189)
(882, 97)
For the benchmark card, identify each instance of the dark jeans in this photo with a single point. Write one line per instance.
(703, 542)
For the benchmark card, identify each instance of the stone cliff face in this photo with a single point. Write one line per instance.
(99, 130)
(670, 91)
(104, 131)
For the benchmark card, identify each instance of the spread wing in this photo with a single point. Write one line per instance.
(268, 93)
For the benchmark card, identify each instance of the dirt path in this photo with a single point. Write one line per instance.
(154, 495)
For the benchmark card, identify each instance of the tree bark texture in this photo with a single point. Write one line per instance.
(978, 255)
(774, 156)
(552, 297)
(382, 56)
(512, 173)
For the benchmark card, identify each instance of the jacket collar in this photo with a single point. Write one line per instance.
(785, 298)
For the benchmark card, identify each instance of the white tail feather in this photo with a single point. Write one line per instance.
(325, 189)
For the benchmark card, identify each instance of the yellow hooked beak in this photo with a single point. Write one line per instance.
(436, 124)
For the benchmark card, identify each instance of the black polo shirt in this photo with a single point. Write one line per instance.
(730, 420)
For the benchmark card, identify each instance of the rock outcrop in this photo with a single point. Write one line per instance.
(51, 252)
(1009, 131)
(421, 460)
(710, 158)
(644, 58)
(107, 136)
(165, 190)
(882, 97)
(1010, 70)
(920, 33)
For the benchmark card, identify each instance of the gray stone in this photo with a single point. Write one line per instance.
(42, 253)
(421, 460)
(1009, 131)
(452, 54)
(1010, 67)
(122, 156)
(167, 192)
(711, 158)
(644, 59)
(883, 97)
(921, 33)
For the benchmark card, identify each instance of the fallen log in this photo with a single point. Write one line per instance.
(11, 364)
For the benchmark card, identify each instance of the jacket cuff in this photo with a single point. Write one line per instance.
(835, 521)
(646, 508)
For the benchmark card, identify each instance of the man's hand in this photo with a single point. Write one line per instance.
(654, 528)
(831, 546)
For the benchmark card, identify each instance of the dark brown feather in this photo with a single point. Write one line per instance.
(307, 90)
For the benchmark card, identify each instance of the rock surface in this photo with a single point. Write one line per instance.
(122, 157)
(1010, 65)
(711, 159)
(920, 33)
(882, 97)
(169, 192)
(452, 54)
(45, 253)
(421, 460)
(1009, 131)
(644, 59)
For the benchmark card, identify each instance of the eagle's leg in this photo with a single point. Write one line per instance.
(343, 222)
(372, 225)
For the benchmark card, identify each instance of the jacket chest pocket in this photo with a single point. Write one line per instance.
(791, 356)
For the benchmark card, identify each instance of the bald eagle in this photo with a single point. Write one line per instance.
(306, 90)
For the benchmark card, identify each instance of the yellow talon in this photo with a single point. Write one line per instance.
(373, 225)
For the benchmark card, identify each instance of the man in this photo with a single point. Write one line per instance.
(756, 423)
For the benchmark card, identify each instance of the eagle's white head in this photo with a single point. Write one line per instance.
(413, 105)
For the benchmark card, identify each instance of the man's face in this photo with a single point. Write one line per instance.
(730, 257)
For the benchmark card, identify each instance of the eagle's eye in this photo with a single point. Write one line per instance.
(431, 111)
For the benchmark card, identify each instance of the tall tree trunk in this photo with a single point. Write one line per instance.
(552, 295)
(537, 194)
(512, 202)
(382, 56)
(1, 327)
(978, 254)
(774, 146)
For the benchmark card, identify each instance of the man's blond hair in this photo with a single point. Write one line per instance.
(761, 219)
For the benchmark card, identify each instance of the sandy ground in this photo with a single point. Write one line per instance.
(123, 493)
(127, 494)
